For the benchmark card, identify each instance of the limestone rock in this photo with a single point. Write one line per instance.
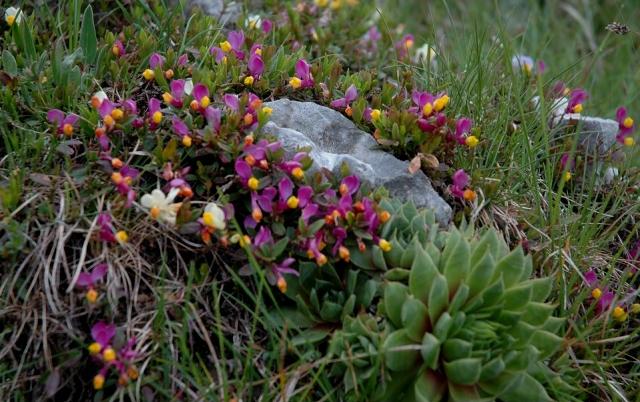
(334, 140)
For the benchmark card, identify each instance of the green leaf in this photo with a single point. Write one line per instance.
(430, 350)
(517, 297)
(465, 393)
(347, 309)
(528, 389)
(394, 296)
(377, 257)
(492, 369)
(442, 326)
(456, 262)
(423, 270)
(397, 275)
(459, 299)
(520, 360)
(88, 39)
(481, 274)
(9, 63)
(429, 387)
(438, 297)
(454, 349)
(408, 256)
(400, 360)
(510, 267)
(541, 288)
(309, 337)
(330, 311)
(537, 313)
(414, 318)
(546, 342)
(279, 247)
(463, 371)
(367, 292)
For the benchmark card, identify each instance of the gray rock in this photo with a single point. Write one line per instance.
(334, 140)
(226, 12)
(597, 136)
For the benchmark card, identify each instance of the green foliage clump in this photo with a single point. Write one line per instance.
(460, 318)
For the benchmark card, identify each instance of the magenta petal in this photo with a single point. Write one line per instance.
(105, 108)
(179, 127)
(55, 116)
(285, 188)
(302, 69)
(352, 183)
(256, 65)
(463, 125)
(213, 117)
(128, 171)
(236, 39)
(243, 169)
(99, 272)
(84, 280)
(154, 105)
(460, 179)
(200, 91)
(156, 60)
(621, 114)
(183, 60)
(339, 103)
(130, 106)
(217, 53)
(351, 94)
(70, 119)
(102, 333)
(232, 102)
(591, 278)
(309, 211)
(177, 88)
(263, 237)
(304, 195)
(266, 26)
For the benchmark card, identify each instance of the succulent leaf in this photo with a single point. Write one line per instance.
(399, 354)
(463, 371)
(438, 297)
(414, 318)
(394, 296)
(423, 270)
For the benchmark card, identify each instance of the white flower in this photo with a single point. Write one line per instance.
(254, 21)
(213, 216)
(188, 86)
(161, 206)
(522, 62)
(425, 54)
(100, 95)
(13, 15)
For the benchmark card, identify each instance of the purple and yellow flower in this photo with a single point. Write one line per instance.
(345, 103)
(576, 99)
(234, 43)
(118, 48)
(302, 78)
(625, 127)
(404, 45)
(65, 123)
(89, 280)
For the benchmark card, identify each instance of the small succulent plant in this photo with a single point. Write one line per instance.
(467, 323)
(407, 227)
(324, 296)
(357, 348)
